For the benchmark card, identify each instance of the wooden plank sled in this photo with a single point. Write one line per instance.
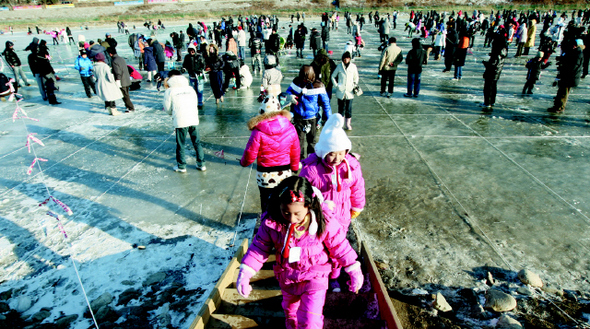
(225, 308)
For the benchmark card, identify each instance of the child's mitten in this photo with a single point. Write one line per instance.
(243, 283)
(356, 277)
(354, 214)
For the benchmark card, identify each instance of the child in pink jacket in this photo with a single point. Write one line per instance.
(304, 242)
(274, 143)
(337, 174)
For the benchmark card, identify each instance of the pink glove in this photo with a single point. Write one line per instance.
(356, 277)
(243, 283)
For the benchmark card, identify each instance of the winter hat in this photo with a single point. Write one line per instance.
(270, 60)
(100, 57)
(346, 55)
(107, 35)
(9, 44)
(193, 47)
(83, 52)
(540, 54)
(332, 138)
(269, 104)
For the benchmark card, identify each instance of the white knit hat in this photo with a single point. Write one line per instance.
(333, 138)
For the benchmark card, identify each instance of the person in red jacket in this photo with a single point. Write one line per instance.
(274, 143)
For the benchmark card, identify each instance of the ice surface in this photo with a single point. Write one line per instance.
(451, 189)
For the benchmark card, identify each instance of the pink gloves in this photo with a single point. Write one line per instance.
(243, 283)
(356, 277)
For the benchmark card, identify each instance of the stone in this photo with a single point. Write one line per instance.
(154, 278)
(65, 321)
(23, 303)
(507, 322)
(101, 301)
(43, 314)
(106, 314)
(6, 295)
(530, 278)
(499, 301)
(553, 291)
(524, 291)
(440, 303)
(127, 295)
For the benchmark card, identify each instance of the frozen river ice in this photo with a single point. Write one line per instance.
(451, 190)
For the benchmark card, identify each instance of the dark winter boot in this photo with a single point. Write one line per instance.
(52, 100)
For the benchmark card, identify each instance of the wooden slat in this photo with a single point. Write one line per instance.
(386, 309)
(214, 299)
(232, 296)
(232, 321)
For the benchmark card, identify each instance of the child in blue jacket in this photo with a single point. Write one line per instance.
(84, 65)
(311, 94)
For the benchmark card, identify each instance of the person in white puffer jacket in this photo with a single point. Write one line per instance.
(180, 101)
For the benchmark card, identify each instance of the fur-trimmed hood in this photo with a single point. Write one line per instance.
(255, 121)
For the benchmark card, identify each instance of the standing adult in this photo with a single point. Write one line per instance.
(70, 36)
(194, 64)
(451, 42)
(14, 61)
(46, 72)
(531, 34)
(460, 56)
(315, 41)
(241, 43)
(177, 45)
(569, 72)
(122, 78)
(390, 59)
(415, 59)
(106, 86)
(180, 102)
(159, 54)
(325, 35)
(255, 52)
(214, 65)
(299, 39)
(345, 78)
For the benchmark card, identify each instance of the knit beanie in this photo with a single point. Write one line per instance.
(332, 138)
(100, 57)
(269, 104)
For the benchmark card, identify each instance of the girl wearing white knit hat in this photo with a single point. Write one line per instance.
(337, 174)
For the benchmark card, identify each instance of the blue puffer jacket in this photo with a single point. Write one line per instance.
(309, 97)
(84, 66)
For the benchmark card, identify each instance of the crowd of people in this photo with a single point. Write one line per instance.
(310, 188)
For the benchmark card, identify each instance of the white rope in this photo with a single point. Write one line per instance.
(242, 207)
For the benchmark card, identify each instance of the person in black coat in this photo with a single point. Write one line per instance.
(569, 73)
(315, 41)
(159, 54)
(534, 66)
(14, 61)
(194, 64)
(415, 59)
(491, 75)
(231, 69)
(214, 66)
(46, 72)
(299, 39)
(451, 42)
(177, 45)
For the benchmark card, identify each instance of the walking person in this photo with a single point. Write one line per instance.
(459, 57)
(451, 42)
(415, 59)
(390, 59)
(180, 101)
(345, 78)
(255, 52)
(491, 75)
(46, 72)
(84, 65)
(274, 145)
(122, 78)
(311, 95)
(295, 220)
(106, 86)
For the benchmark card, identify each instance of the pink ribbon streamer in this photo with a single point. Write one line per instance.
(61, 204)
(59, 224)
(33, 164)
(15, 115)
(31, 137)
(220, 154)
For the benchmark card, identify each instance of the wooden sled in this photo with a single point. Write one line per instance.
(225, 308)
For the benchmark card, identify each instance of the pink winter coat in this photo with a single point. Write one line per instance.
(352, 185)
(316, 251)
(273, 142)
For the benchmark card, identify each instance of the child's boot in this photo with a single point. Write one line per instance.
(348, 126)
